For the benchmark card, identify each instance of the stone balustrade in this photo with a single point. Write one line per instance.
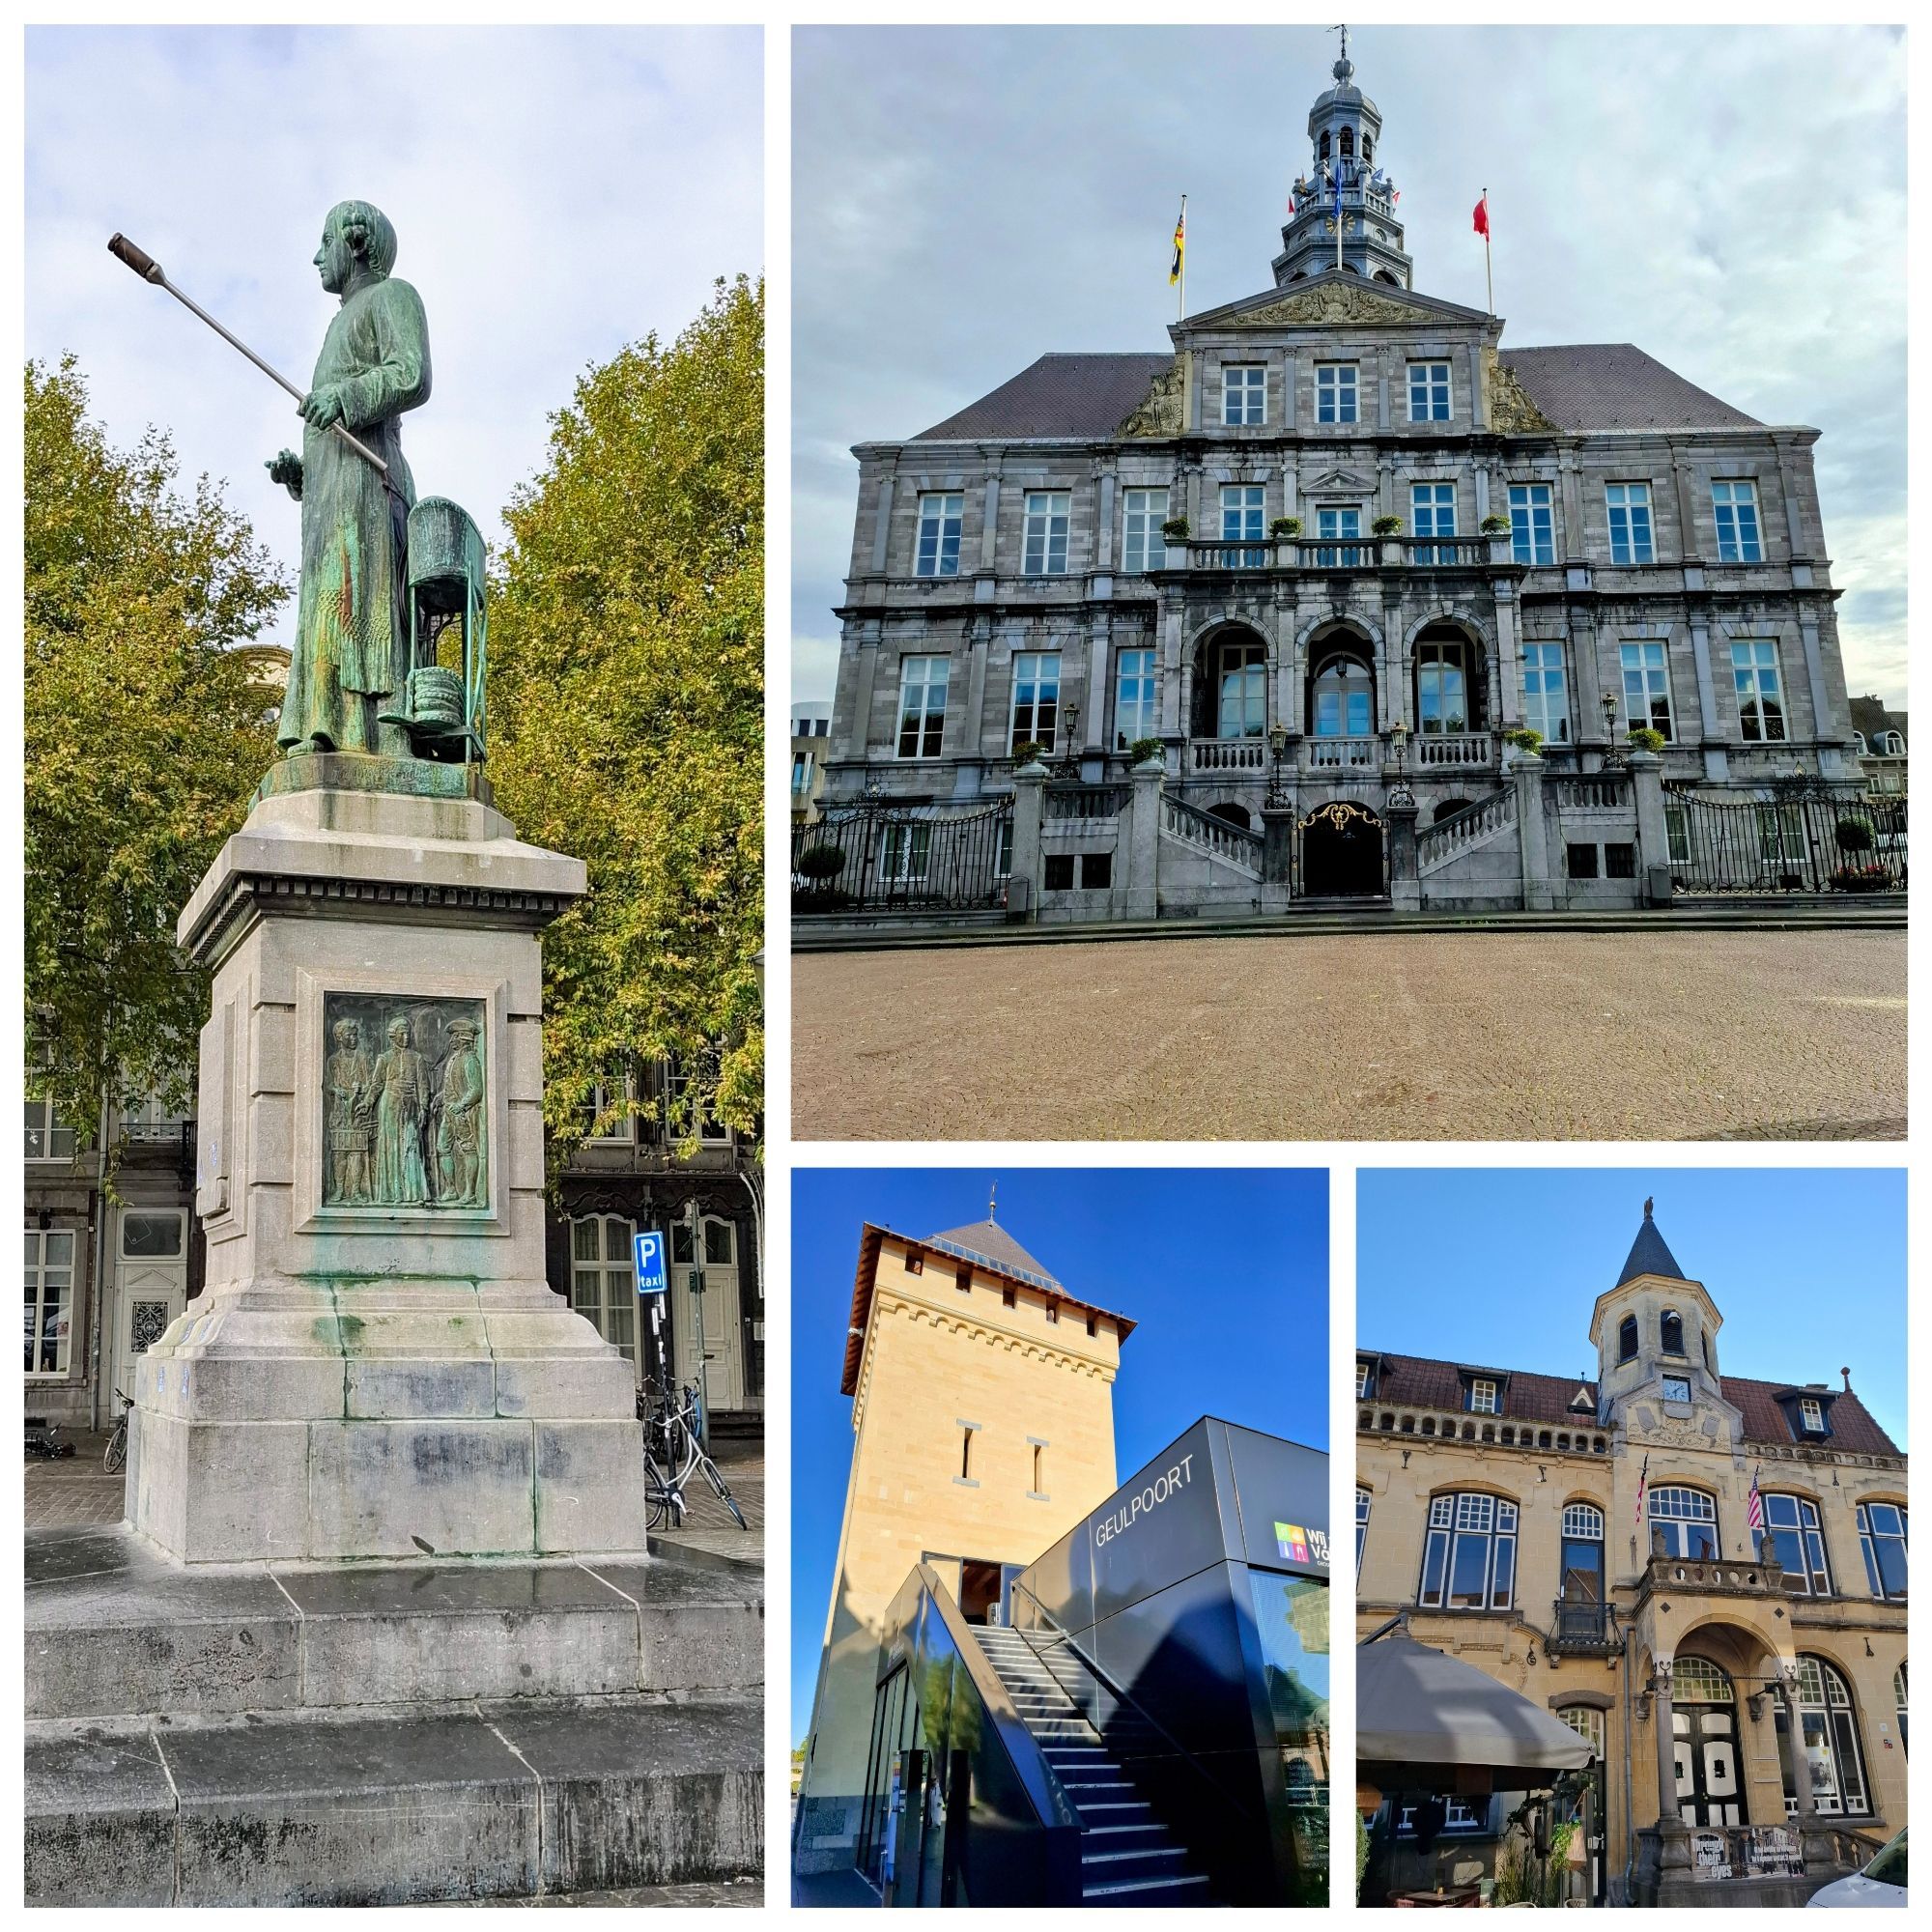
(1547, 1438)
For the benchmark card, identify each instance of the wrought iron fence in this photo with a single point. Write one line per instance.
(1794, 838)
(875, 856)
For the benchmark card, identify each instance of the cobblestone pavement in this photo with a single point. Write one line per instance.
(707, 1525)
(74, 1490)
(1546, 1035)
(740, 1891)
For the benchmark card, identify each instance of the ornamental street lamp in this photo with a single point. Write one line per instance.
(1613, 753)
(1278, 745)
(1399, 792)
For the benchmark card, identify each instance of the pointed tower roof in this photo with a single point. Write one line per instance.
(1650, 1254)
(990, 1243)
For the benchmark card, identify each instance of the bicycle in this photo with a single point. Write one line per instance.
(674, 1448)
(115, 1458)
(664, 1494)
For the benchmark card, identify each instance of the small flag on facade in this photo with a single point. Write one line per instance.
(1290, 207)
(1642, 1484)
(1754, 1506)
(1483, 216)
(1180, 247)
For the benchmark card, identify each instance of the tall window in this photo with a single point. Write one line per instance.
(938, 519)
(1344, 700)
(1136, 698)
(1898, 1689)
(1144, 547)
(1338, 528)
(603, 1286)
(1629, 521)
(1670, 1332)
(1627, 1339)
(1242, 521)
(49, 1299)
(1831, 1743)
(1811, 1415)
(803, 764)
(1582, 1553)
(1792, 1523)
(1760, 701)
(1882, 1539)
(1735, 506)
(1364, 1503)
(904, 853)
(1532, 528)
(1432, 509)
(46, 1138)
(1647, 687)
(1428, 392)
(1036, 698)
(1483, 1397)
(1546, 692)
(1441, 685)
(1046, 519)
(1363, 1373)
(1245, 393)
(604, 1103)
(1335, 392)
(1688, 1518)
(1240, 676)
(1587, 1721)
(1469, 1562)
(921, 706)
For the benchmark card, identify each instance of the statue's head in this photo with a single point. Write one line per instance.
(462, 1031)
(357, 236)
(348, 1033)
(399, 1030)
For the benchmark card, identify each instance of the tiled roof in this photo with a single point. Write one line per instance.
(1604, 386)
(989, 1241)
(1650, 1254)
(1419, 1383)
(1870, 716)
(1060, 395)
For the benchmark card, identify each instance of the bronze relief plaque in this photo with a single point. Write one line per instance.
(405, 1108)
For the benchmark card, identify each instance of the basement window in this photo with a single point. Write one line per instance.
(1582, 860)
(1060, 871)
(1619, 862)
(1096, 871)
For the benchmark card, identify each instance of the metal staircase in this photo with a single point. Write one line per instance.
(1127, 1856)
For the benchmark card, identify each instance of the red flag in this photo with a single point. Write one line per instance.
(1290, 204)
(1483, 215)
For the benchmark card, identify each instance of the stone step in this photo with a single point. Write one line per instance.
(1154, 1891)
(486, 1802)
(112, 1629)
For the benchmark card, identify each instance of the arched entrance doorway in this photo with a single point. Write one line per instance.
(1705, 1744)
(1343, 852)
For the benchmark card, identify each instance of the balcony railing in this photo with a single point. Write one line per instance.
(1330, 552)
(1581, 1626)
(1227, 754)
(1340, 754)
(1435, 750)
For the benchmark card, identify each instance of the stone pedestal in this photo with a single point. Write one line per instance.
(376, 1367)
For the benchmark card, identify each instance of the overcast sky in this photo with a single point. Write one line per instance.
(1730, 200)
(557, 194)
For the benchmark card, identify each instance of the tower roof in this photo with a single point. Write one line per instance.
(988, 1242)
(1650, 1254)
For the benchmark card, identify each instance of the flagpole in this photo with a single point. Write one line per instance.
(1180, 306)
(1489, 279)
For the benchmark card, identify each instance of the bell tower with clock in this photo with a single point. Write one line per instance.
(1344, 184)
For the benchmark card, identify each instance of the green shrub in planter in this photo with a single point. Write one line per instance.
(1285, 526)
(819, 862)
(1645, 738)
(1175, 529)
(1495, 527)
(822, 899)
(1861, 879)
(1856, 835)
(1144, 749)
(1525, 738)
(1386, 527)
(1028, 753)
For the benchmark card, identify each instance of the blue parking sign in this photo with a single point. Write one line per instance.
(648, 1257)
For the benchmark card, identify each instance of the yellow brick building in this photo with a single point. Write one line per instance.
(982, 1424)
(1592, 1544)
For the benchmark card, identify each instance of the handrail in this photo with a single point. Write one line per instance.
(1214, 827)
(1063, 1639)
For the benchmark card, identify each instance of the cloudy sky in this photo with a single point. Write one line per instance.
(1730, 200)
(557, 194)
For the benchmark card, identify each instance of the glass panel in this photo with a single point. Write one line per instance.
(1468, 1580)
(719, 1248)
(1292, 1617)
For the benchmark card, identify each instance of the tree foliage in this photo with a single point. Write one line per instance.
(145, 731)
(626, 714)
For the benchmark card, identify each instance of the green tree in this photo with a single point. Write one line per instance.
(145, 731)
(626, 714)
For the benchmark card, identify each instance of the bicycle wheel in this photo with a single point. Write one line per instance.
(115, 1458)
(722, 1490)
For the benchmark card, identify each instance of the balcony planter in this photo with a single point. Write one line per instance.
(1175, 529)
(1386, 527)
(1644, 738)
(1861, 879)
(1493, 526)
(1283, 528)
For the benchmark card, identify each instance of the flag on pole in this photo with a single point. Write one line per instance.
(1754, 1506)
(1642, 1484)
(1180, 244)
(1290, 207)
(1483, 216)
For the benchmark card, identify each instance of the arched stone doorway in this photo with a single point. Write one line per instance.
(1706, 1745)
(1341, 707)
(1343, 852)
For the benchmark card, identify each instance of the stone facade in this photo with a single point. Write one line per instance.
(1661, 557)
(1677, 1630)
(983, 1427)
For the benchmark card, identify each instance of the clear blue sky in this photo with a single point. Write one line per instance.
(1807, 1265)
(1226, 1273)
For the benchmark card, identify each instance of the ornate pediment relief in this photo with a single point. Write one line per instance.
(1512, 413)
(1340, 479)
(1161, 410)
(1334, 302)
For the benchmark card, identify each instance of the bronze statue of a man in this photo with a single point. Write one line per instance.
(350, 1104)
(459, 1132)
(352, 629)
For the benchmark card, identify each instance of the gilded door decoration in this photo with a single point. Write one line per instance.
(1339, 816)
(405, 1105)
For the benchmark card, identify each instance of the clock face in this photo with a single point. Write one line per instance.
(1676, 1388)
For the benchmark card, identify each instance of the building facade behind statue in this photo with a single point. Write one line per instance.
(1328, 556)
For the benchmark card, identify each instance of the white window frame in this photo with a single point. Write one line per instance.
(1338, 393)
(1682, 1509)
(1797, 1517)
(1871, 1534)
(1432, 384)
(47, 1140)
(1431, 503)
(615, 1280)
(1049, 518)
(1243, 394)
(1364, 1503)
(52, 1284)
(1733, 504)
(1812, 1413)
(1332, 538)
(1470, 1514)
(1363, 1374)
(918, 677)
(1824, 1699)
(1546, 705)
(135, 1212)
(1142, 545)
(1485, 1396)
(600, 1098)
(804, 765)
(1633, 530)
(1033, 672)
(1758, 682)
(711, 1131)
(942, 519)
(1587, 1721)
(1645, 664)
(905, 852)
(1532, 536)
(1138, 715)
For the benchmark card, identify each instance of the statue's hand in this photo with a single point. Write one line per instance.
(286, 469)
(321, 407)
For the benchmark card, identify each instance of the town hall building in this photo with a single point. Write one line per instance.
(1336, 595)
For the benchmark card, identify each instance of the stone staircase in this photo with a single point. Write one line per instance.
(1127, 1856)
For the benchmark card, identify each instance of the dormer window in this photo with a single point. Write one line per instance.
(1670, 1332)
(1677, 1388)
(1627, 1339)
(1813, 1415)
(1483, 1397)
(1365, 1381)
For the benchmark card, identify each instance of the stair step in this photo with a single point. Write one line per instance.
(1148, 1852)
(1147, 1891)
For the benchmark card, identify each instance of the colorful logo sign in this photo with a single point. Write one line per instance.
(1292, 1540)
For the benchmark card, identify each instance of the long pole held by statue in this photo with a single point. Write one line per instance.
(150, 270)
(1489, 279)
